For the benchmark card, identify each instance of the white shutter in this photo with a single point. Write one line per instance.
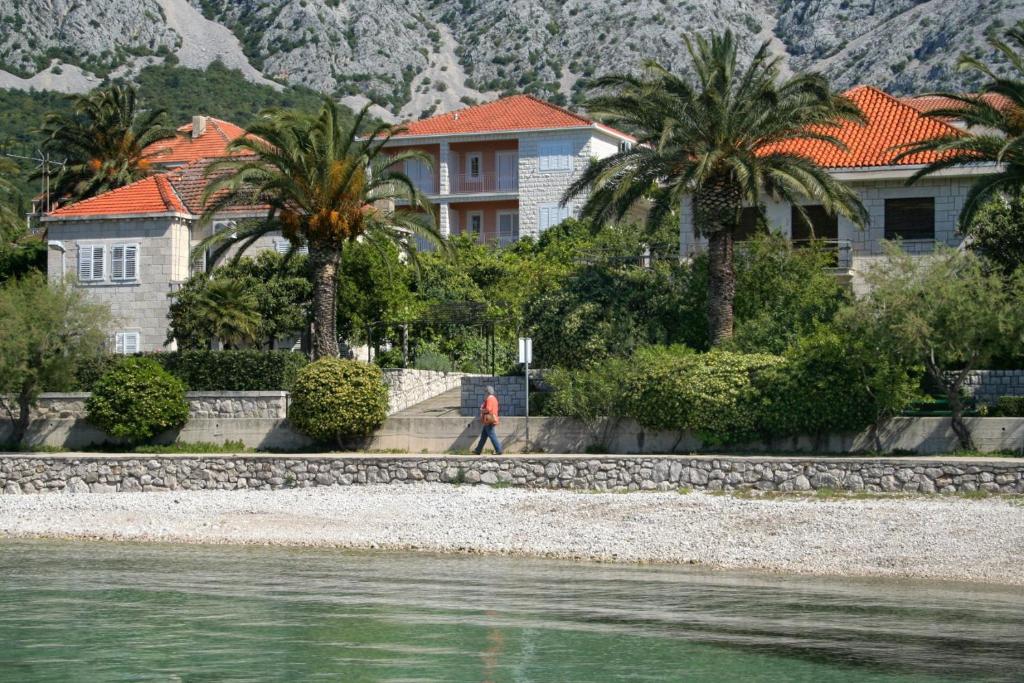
(544, 218)
(97, 262)
(117, 262)
(131, 342)
(119, 343)
(84, 263)
(131, 261)
(555, 155)
(282, 246)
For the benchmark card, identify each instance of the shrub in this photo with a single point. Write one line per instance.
(136, 400)
(334, 399)
(1008, 406)
(588, 394)
(241, 370)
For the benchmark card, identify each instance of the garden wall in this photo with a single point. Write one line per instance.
(201, 404)
(986, 386)
(107, 474)
(407, 387)
(511, 393)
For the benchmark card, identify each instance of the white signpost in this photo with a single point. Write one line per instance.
(526, 357)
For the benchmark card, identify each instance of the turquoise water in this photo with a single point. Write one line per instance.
(120, 612)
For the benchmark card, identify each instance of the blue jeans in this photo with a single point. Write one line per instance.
(488, 433)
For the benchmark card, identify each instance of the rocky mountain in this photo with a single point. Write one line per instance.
(414, 56)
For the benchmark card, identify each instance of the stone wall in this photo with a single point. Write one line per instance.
(511, 393)
(201, 404)
(407, 387)
(104, 474)
(986, 386)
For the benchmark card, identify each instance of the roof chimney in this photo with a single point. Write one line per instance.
(198, 126)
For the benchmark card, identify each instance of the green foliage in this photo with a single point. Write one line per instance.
(335, 399)
(195, 447)
(373, 286)
(782, 293)
(588, 394)
(238, 370)
(997, 231)
(276, 291)
(136, 400)
(428, 356)
(46, 332)
(1007, 406)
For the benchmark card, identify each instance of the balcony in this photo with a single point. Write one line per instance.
(840, 250)
(484, 183)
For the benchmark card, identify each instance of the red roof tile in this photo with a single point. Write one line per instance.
(152, 195)
(190, 182)
(183, 148)
(515, 113)
(929, 103)
(890, 123)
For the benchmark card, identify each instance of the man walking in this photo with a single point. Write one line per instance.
(489, 419)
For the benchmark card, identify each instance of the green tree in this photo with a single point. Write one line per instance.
(20, 252)
(373, 287)
(277, 287)
(715, 137)
(946, 313)
(46, 331)
(102, 141)
(995, 127)
(997, 231)
(224, 309)
(328, 182)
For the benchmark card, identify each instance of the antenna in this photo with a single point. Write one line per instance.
(44, 164)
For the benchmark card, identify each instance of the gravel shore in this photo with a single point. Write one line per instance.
(946, 538)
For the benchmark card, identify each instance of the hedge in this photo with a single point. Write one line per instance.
(239, 370)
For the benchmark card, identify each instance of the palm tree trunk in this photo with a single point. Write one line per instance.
(325, 307)
(716, 209)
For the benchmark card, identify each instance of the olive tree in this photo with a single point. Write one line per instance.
(46, 331)
(946, 312)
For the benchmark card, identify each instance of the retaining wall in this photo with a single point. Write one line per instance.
(986, 386)
(201, 404)
(511, 393)
(104, 474)
(407, 387)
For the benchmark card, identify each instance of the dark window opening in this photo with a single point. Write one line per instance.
(818, 224)
(752, 222)
(911, 218)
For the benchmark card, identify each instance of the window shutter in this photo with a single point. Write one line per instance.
(281, 246)
(131, 261)
(84, 263)
(97, 263)
(131, 343)
(117, 262)
(119, 343)
(543, 220)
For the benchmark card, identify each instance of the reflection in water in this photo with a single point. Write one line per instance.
(77, 611)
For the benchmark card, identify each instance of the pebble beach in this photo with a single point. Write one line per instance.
(933, 537)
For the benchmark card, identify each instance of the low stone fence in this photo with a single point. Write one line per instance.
(102, 474)
(511, 392)
(201, 404)
(986, 386)
(407, 387)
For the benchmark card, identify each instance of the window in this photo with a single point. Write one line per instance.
(555, 155)
(476, 223)
(551, 215)
(124, 262)
(420, 173)
(474, 165)
(283, 246)
(821, 225)
(625, 146)
(751, 222)
(126, 343)
(91, 259)
(508, 228)
(912, 218)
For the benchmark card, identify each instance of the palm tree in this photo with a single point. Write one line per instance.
(327, 182)
(995, 122)
(102, 141)
(719, 138)
(229, 311)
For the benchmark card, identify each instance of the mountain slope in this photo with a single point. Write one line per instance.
(414, 56)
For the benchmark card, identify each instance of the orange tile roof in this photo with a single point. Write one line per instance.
(890, 123)
(152, 195)
(190, 182)
(929, 103)
(515, 113)
(183, 148)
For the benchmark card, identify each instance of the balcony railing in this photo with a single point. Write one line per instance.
(483, 183)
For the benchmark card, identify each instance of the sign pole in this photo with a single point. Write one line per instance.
(525, 356)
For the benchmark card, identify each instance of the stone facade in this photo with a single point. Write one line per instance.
(107, 474)
(201, 404)
(986, 386)
(511, 393)
(407, 387)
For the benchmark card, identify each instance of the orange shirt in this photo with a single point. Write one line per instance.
(490, 405)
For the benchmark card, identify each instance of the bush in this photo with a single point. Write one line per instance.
(242, 370)
(334, 399)
(1008, 406)
(136, 400)
(588, 394)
